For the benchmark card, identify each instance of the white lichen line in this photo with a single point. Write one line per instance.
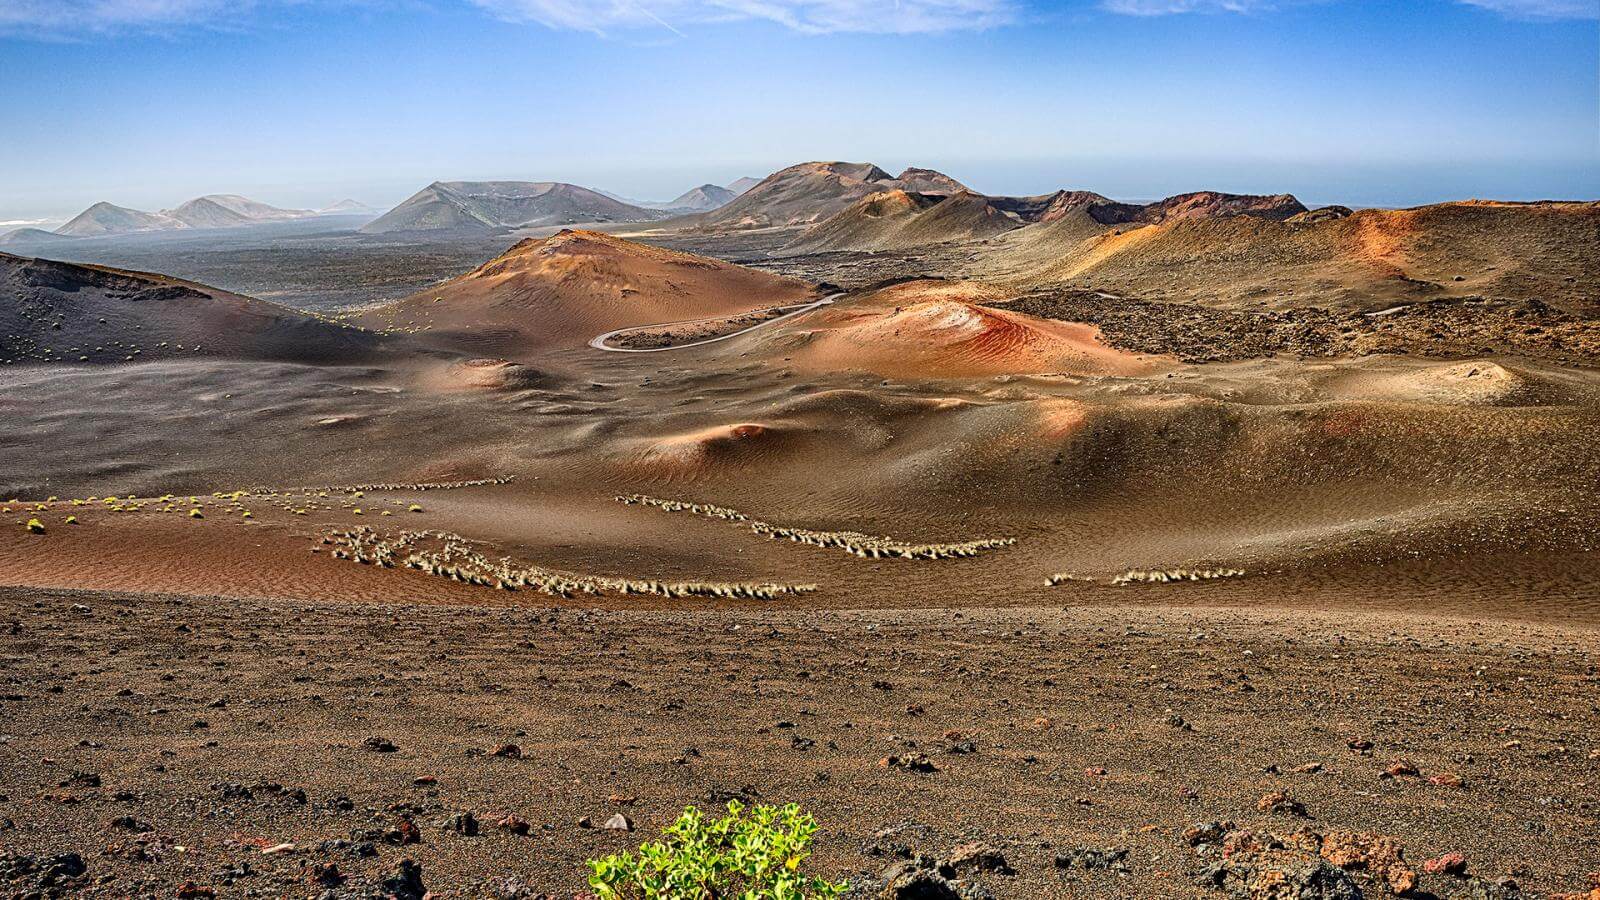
(452, 556)
(394, 486)
(1147, 576)
(297, 501)
(853, 542)
(699, 509)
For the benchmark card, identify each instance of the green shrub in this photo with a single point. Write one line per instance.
(754, 855)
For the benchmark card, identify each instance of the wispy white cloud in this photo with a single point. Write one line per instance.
(1518, 9)
(1541, 9)
(74, 18)
(85, 17)
(81, 17)
(50, 16)
(1173, 7)
(808, 16)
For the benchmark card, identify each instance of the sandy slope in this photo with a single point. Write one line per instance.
(939, 329)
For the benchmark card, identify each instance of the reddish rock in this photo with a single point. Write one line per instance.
(1280, 802)
(514, 824)
(405, 832)
(1379, 854)
(1400, 768)
(327, 875)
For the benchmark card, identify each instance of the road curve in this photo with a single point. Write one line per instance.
(599, 343)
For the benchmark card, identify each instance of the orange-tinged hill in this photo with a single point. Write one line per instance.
(941, 329)
(563, 290)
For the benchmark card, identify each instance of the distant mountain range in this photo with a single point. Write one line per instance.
(489, 205)
(840, 206)
(349, 208)
(704, 198)
(210, 211)
(813, 191)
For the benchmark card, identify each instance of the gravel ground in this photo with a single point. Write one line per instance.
(199, 746)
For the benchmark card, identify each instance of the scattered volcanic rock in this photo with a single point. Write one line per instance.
(1319, 215)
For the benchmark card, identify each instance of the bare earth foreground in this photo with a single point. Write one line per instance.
(1144, 557)
(171, 739)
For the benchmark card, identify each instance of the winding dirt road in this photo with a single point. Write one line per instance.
(599, 342)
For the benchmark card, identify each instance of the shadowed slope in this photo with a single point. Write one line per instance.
(61, 312)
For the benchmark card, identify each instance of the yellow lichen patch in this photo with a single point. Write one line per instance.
(35, 526)
(196, 514)
(72, 520)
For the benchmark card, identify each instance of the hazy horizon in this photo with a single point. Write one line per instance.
(302, 104)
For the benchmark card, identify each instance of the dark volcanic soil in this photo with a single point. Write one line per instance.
(170, 740)
(1450, 328)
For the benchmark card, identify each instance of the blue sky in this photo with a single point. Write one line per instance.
(146, 103)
